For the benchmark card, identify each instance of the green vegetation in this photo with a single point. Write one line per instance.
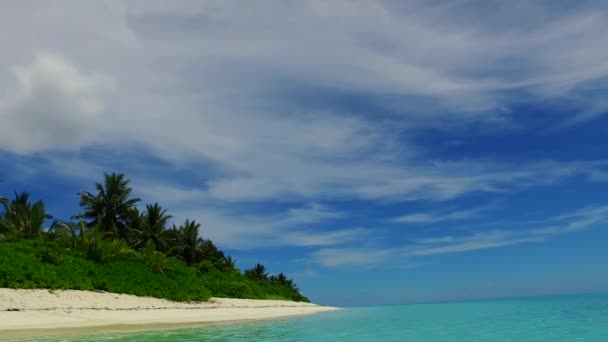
(45, 264)
(113, 247)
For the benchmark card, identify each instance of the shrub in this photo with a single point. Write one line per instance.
(114, 267)
(205, 266)
(157, 261)
(50, 256)
(22, 266)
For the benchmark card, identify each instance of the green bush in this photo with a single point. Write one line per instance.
(22, 266)
(115, 268)
(157, 261)
(206, 266)
(50, 256)
(106, 251)
(234, 284)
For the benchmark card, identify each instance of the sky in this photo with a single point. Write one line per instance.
(376, 151)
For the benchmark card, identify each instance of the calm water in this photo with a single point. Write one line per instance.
(572, 318)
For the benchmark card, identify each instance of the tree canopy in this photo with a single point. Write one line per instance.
(111, 209)
(21, 217)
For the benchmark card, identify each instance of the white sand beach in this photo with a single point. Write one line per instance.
(37, 312)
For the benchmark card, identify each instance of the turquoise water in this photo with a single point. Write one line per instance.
(571, 318)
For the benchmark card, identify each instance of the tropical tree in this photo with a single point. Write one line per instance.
(72, 235)
(152, 227)
(4, 228)
(111, 209)
(186, 242)
(279, 279)
(208, 251)
(258, 272)
(23, 218)
(283, 280)
(230, 262)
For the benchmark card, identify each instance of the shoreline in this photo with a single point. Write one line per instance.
(30, 313)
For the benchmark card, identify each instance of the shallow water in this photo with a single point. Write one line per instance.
(568, 318)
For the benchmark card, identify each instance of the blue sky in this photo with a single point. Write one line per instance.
(378, 152)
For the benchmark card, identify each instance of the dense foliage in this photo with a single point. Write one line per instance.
(42, 264)
(113, 247)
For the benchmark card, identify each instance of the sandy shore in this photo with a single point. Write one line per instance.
(40, 312)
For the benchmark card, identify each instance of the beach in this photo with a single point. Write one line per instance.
(39, 312)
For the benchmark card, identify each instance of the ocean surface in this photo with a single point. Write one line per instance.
(566, 318)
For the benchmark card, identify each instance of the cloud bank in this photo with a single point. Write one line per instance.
(263, 101)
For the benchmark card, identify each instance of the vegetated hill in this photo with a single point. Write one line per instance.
(30, 264)
(114, 246)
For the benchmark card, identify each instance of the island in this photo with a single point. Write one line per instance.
(116, 265)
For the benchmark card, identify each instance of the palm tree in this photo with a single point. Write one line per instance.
(21, 217)
(290, 283)
(4, 228)
(258, 272)
(230, 262)
(208, 251)
(281, 279)
(186, 242)
(70, 234)
(111, 208)
(152, 227)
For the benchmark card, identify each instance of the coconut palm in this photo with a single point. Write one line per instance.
(208, 251)
(152, 227)
(230, 262)
(281, 279)
(4, 228)
(70, 234)
(23, 218)
(258, 272)
(110, 209)
(186, 242)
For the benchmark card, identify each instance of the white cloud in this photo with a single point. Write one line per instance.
(294, 227)
(448, 244)
(563, 224)
(310, 214)
(599, 176)
(351, 257)
(52, 105)
(439, 51)
(595, 109)
(206, 84)
(325, 238)
(436, 217)
(477, 241)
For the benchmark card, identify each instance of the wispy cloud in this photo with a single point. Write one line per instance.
(477, 241)
(563, 224)
(594, 110)
(437, 217)
(294, 227)
(448, 244)
(348, 257)
(310, 214)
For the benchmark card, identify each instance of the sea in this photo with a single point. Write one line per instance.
(538, 319)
